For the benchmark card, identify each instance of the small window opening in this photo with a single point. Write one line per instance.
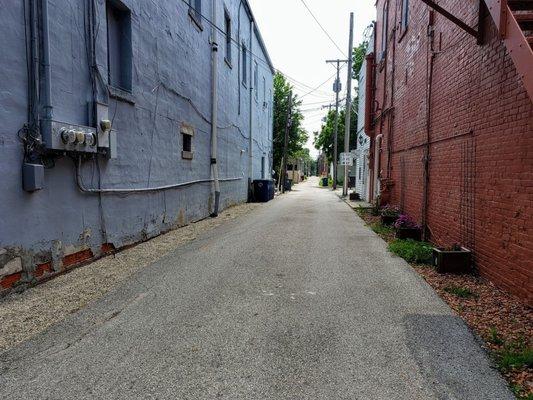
(227, 19)
(385, 30)
(405, 14)
(187, 133)
(195, 12)
(119, 48)
(244, 65)
(256, 81)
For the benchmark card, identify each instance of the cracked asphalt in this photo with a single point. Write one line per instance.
(296, 300)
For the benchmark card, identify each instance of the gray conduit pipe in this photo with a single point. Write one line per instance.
(214, 105)
(82, 188)
(47, 77)
(377, 164)
(251, 138)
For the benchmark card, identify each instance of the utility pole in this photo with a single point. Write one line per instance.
(286, 143)
(328, 106)
(348, 108)
(336, 88)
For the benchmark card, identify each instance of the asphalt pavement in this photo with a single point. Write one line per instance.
(296, 300)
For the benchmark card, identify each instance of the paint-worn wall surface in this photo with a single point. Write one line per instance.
(468, 104)
(171, 86)
(362, 180)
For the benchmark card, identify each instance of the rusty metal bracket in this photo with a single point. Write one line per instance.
(464, 26)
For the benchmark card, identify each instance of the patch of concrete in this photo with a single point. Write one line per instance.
(24, 315)
(11, 267)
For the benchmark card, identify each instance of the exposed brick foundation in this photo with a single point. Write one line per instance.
(77, 258)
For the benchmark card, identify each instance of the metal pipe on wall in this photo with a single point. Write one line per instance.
(214, 108)
(82, 188)
(250, 140)
(46, 94)
(33, 77)
(427, 148)
(377, 162)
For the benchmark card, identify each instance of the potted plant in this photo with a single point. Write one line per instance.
(453, 260)
(389, 214)
(406, 228)
(354, 196)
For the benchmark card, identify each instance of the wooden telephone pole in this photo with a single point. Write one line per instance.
(288, 126)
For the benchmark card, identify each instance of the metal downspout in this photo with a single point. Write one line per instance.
(214, 109)
(46, 95)
(427, 147)
(33, 109)
(250, 140)
(377, 162)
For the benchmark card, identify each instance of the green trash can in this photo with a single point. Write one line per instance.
(288, 185)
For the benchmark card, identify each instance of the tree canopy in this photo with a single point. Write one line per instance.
(358, 55)
(324, 140)
(297, 135)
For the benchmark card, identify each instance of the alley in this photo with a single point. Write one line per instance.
(297, 300)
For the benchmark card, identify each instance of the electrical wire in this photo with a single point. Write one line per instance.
(263, 63)
(323, 29)
(322, 84)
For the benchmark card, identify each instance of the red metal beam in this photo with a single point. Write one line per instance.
(514, 40)
(452, 18)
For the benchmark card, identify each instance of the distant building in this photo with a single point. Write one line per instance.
(115, 99)
(362, 159)
(450, 117)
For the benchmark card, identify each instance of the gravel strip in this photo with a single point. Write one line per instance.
(31, 312)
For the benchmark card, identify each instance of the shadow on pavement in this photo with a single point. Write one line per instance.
(450, 360)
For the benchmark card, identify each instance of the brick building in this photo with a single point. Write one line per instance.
(450, 116)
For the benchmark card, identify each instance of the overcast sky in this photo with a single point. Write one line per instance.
(299, 48)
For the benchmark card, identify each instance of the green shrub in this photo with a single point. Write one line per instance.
(412, 251)
(462, 292)
(515, 355)
(381, 229)
(494, 337)
(521, 392)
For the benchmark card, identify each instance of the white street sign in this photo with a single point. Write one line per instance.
(346, 159)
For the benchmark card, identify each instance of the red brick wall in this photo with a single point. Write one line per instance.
(480, 191)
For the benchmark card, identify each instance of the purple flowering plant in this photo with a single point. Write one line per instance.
(390, 211)
(404, 221)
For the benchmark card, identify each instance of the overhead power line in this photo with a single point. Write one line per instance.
(321, 27)
(322, 84)
(318, 102)
(265, 63)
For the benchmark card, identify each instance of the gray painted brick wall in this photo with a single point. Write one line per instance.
(171, 61)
